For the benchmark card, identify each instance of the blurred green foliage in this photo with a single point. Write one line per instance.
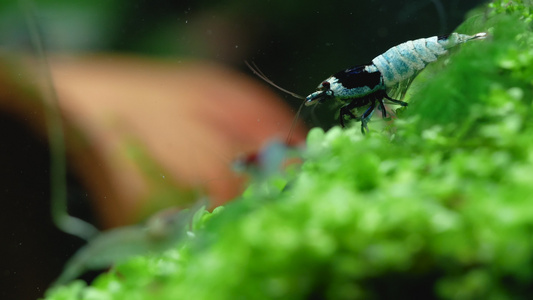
(438, 205)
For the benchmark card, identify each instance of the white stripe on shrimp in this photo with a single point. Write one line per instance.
(403, 61)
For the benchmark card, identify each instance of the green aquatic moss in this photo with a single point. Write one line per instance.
(439, 205)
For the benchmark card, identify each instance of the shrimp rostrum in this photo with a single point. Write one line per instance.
(370, 85)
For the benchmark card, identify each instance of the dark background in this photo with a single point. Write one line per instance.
(296, 43)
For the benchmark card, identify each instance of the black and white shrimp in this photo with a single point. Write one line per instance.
(372, 84)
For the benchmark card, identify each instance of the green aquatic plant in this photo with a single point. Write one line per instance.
(438, 205)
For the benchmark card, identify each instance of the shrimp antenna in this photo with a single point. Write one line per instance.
(261, 75)
(294, 121)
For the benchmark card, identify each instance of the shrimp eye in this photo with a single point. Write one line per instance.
(325, 85)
